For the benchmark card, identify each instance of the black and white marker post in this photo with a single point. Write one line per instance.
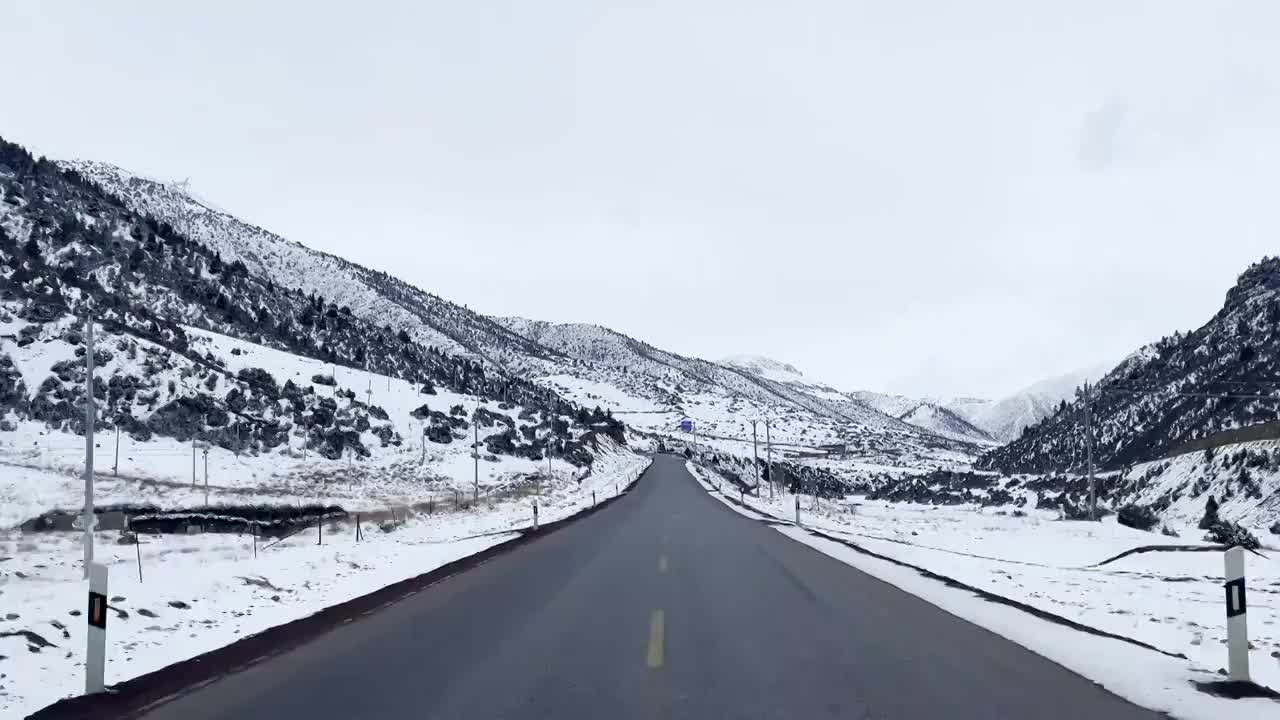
(1237, 617)
(96, 652)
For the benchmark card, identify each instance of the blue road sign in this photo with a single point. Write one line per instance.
(686, 425)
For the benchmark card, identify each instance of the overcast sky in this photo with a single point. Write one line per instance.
(923, 197)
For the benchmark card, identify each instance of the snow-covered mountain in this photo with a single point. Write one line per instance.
(191, 291)
(940, 420)
(369, 294)
(765, 367)
(1211, 386)
(980, 419)
(278, 383)
(933, 415)
(603, 357)
(887, 403)
(1005, 419)
(929, 416)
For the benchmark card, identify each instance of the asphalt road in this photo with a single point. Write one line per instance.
(664, 605)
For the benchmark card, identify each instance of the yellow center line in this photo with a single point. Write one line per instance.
(662, 563)
(657, 633)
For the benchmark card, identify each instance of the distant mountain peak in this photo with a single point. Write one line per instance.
(763, 366)
(1261, 279)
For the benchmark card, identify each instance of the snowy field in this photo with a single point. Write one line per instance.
(200, 592)
(1171, 601)
(42, 470)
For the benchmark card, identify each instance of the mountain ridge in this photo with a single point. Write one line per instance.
(434, 320)
(514, 347)
(1223, 375)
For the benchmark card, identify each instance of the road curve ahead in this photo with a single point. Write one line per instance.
(664, 605)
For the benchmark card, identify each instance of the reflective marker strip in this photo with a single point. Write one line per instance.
(97, 610)
(1235, 598)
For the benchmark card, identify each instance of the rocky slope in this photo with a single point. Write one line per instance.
(652, 373)
(67, 249)
(370, 295)
(1186, 390)
(512, 346)
(1005, 419)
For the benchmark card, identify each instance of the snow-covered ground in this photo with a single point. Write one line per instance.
(1243, 478)
(724, 425)
(42, 470)
(1170, 600)
(201, 592)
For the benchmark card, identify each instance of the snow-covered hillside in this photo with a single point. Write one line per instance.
(268, 427)
(680, 384)
(371, 295)
(940, 420)
(1243, 479)
(978, 419)
(1213, 385)
(1005, 419)
(522, 347)
(935, 416)
(887, 403)
(765, 367)
(167, 271)
(288, 391)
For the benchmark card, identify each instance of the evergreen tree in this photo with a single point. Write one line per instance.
(1210, 514)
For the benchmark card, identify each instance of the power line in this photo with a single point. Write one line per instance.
(1177, 393)
(1242, 382)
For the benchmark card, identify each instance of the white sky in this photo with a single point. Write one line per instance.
(924, 197)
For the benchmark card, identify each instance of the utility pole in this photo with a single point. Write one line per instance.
(475, 451)
(204, 424)
(89, 518)
(768, 443)
(1088, 444)
(114, 414)
(755, 456)
(206, 476)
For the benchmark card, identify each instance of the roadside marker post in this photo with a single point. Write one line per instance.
(593, 498)
(1237, 616)
(96, 652)
(535, 514)
(797, 509)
